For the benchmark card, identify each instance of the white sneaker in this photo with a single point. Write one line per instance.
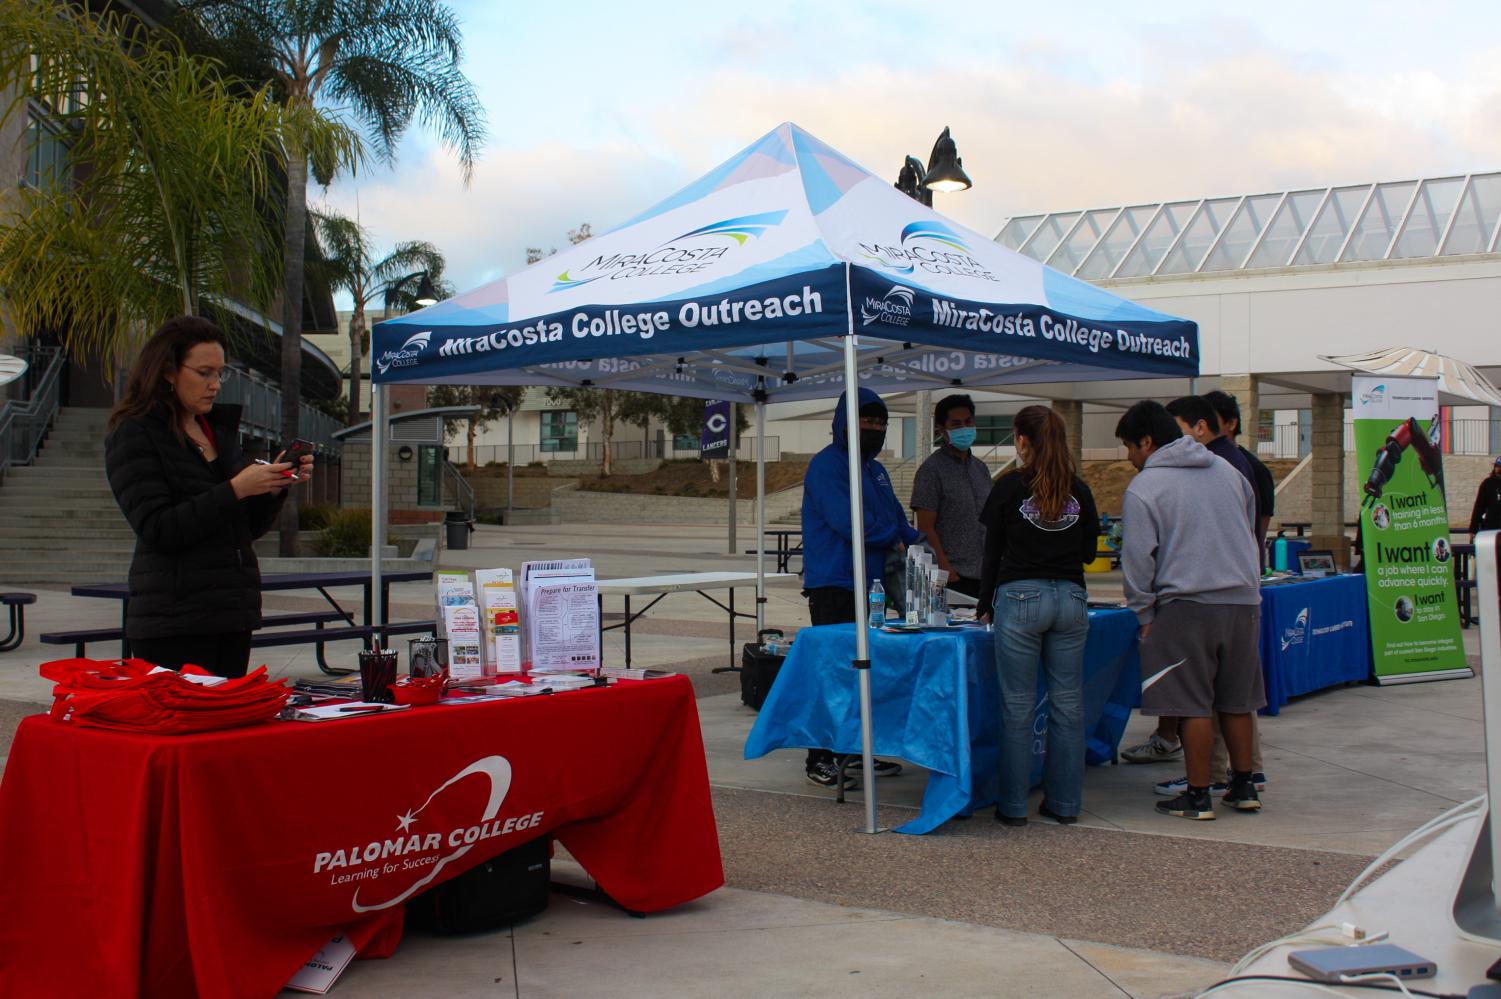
(1154, 750)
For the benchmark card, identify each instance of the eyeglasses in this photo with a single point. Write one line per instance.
(220, 375)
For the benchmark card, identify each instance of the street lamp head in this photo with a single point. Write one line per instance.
(911, 176)
(945, 168)
(425, 294)
(396, 296)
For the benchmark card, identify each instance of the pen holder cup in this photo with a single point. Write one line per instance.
(377, 674)
(427, 657)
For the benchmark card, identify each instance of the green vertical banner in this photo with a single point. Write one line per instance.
(1404, 529)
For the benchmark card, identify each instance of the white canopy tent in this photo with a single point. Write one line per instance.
(788, 272)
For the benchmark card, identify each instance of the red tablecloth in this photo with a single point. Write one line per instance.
(215, 865)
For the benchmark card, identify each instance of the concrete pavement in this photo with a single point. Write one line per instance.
(1351, 770)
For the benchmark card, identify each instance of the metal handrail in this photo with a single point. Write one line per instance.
(24, 424)
(260, 418)
(464, 492)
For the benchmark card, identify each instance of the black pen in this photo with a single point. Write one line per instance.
(353, 708)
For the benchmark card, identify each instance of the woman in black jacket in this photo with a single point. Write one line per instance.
(196, 506)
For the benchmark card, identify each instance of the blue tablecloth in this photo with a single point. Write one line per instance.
(936, 702)
(1314, 634)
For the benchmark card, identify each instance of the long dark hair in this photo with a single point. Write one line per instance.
(1050, 467)
(147, 392)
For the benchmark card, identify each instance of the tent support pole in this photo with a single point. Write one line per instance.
(377, 502)
(760, 517)
(857, 559)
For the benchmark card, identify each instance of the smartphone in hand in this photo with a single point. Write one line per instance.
(293, 452)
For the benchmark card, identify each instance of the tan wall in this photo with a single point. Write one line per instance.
(401, 483)
(1462, 475)
(532, 493)
(578, 507)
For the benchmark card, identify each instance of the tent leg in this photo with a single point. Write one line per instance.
(760, 518)
(857, 559)
(377, 501)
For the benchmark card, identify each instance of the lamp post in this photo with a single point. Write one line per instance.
(944, 172)
(424, 296)
(510, 455)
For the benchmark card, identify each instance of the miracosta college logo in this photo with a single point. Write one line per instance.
(1375, 396)
(406, 355)
(894, 308)
(930, 247)
(412, 849)
(689, 253)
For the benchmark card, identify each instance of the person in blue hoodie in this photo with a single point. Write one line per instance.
(828, 539)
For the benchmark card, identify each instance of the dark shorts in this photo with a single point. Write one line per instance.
(1200, 659)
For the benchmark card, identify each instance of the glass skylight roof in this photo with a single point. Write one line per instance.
(1400, 220)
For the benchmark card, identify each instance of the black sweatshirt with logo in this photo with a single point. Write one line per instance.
(1020, 543)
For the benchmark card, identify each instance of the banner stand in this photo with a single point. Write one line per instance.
(1404, 529)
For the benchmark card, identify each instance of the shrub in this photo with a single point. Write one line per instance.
(347, 535)
(315, 518)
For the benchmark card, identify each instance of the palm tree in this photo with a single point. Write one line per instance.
(379, 62)
(350, 265)
(171, 169)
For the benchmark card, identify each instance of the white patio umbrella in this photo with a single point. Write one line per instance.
(11, 368)
(1456, 379)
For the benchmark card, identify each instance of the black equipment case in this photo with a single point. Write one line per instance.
(758, 669)
(501, 891)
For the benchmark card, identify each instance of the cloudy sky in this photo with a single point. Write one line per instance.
(597, 110)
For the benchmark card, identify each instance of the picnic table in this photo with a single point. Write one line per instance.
(786, 550)
(683, 582)
(318, 635)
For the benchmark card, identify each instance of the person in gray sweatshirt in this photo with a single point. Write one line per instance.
(1192, 577)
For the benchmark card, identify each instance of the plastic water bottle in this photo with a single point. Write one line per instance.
(912, 588)
(876, 614)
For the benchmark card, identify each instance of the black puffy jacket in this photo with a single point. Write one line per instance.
(194, 570)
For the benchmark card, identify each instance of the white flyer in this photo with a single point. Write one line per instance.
(535, 574)
(563, 625)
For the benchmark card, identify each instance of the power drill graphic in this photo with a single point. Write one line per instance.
(1407, 434)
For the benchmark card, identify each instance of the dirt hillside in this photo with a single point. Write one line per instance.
(1108, 480)
(693, 478)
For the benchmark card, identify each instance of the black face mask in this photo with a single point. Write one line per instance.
(871, 441)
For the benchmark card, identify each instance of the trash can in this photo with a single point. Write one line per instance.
(456, 525)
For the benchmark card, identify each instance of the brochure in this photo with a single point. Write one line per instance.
(452, 589)
(465, 659)
(334, 712)
(500, 620)
(324, 967)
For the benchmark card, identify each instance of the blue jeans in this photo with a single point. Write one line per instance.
(1044, 619)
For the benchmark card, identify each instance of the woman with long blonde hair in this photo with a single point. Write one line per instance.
(1041, 528)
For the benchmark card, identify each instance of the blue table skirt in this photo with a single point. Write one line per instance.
(936, 703)
(1314, 634)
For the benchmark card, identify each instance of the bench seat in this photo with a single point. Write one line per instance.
(16, 602)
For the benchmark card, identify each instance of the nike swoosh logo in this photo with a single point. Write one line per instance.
(1161, 673)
